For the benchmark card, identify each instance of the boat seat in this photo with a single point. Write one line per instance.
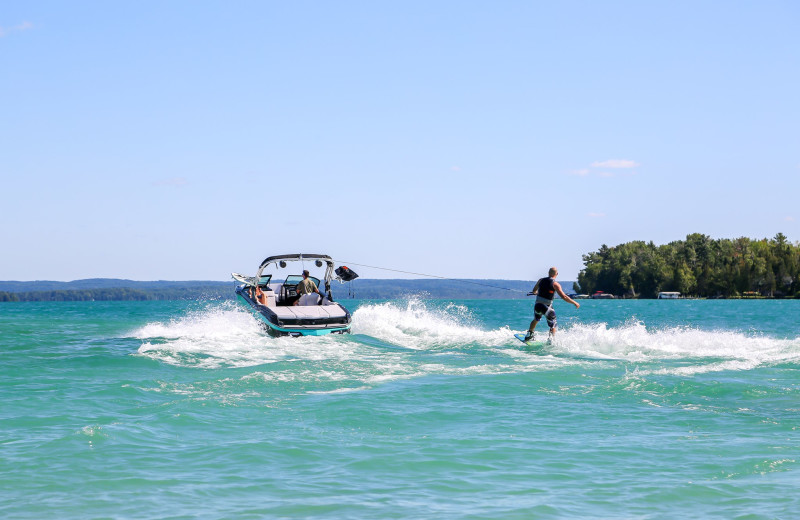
(309, 299)
(310, 311)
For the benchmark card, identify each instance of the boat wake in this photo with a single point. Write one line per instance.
(697, 350)
(420, 325)
(224, 336)
(415, 336)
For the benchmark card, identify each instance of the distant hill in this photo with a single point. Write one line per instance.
(110, 289)
(104, 283)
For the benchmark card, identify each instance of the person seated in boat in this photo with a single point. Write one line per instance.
(261, 296)
(306, 286)
(258, 295)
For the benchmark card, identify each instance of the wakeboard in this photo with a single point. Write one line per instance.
(531, 343)
(247, 280)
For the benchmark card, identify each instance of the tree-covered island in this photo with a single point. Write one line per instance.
(698, 266)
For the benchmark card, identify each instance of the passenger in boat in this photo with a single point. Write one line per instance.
(545, 290)
(258, 295)
(306, 286)
(261, 297)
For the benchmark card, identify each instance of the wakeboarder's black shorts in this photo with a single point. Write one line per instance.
(540, 310)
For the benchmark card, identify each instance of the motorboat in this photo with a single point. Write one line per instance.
(275, 301)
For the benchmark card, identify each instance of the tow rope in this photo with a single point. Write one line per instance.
(433, 276)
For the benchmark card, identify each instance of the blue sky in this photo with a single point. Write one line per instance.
(186, 140)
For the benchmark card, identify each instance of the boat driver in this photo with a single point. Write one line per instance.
(545, 290)
(306, 286)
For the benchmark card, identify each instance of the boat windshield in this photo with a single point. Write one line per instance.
(294, 279)
(264, 280)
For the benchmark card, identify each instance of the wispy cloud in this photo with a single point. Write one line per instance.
(176, 182)
(789, 219)
(604, 166)
(596, 215)
(24, 26)
(615, 163)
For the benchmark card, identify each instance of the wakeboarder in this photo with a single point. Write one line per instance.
(545, 290)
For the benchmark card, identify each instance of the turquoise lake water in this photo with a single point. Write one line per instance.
(430, 409)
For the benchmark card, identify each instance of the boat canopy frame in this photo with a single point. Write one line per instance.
(299, 257)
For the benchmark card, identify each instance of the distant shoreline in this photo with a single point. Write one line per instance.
(109, 289)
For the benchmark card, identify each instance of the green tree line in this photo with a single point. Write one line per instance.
(698, 266)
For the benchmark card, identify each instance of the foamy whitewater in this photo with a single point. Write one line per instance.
(429, 409)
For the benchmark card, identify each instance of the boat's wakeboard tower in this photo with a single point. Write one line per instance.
(343, 273)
